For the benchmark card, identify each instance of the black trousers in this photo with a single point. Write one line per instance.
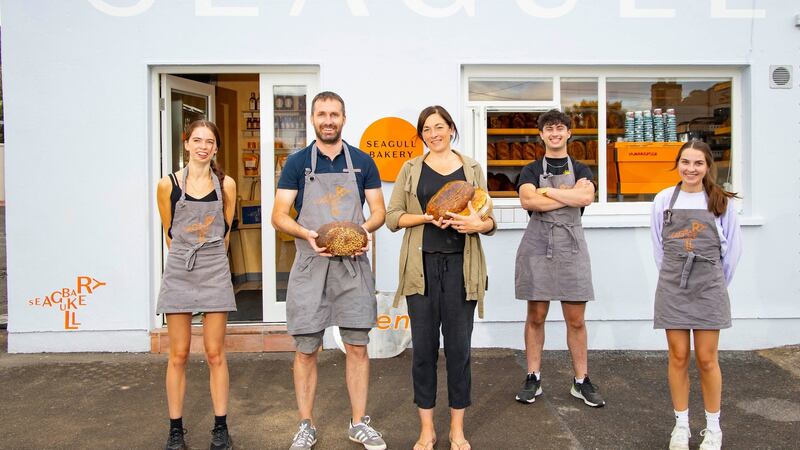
(445, 306)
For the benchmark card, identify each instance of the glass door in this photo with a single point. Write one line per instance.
(183, 101)
(286, 116)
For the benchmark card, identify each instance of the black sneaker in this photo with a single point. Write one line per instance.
(220, 439)
(587, 392)
(531, 389)
(175, 440)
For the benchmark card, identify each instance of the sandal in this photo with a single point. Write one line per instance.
(463, 445)
(425, 445)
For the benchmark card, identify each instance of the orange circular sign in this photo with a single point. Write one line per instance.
(390, 142)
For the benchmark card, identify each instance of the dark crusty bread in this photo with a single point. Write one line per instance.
(453, 197)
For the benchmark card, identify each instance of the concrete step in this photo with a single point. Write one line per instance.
(238, 338)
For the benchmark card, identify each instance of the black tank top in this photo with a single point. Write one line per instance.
(175, 195)
(435, 239)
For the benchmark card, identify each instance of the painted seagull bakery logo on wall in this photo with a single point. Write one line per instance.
(390, 142)
(68, 300)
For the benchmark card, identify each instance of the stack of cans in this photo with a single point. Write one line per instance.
(671, 126)
(629, 125)
(658, 125)
(647, 118)
(638, 126)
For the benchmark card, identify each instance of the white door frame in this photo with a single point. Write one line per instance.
(155, 71)
(274, 311)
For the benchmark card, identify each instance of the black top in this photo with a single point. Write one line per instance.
(293, 175)
(435, 239)
(555, 166)
(175, 195)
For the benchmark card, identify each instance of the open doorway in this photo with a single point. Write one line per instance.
(253, 155)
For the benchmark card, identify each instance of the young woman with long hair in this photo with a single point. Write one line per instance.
(196, 205)
(697, 244)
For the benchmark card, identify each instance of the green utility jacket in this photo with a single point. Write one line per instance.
(404, 201)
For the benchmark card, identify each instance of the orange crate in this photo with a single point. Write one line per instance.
(645, 167)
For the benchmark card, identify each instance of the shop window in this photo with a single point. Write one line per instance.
(537, 89)
(666, 113)
(629, 141)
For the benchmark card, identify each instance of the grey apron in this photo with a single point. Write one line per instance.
(197, 277)
(326, 291)
(552, 258)
(691, 292)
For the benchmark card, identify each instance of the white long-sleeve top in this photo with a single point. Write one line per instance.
(730, 234)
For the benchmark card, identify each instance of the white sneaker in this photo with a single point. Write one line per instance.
(679, 439)
(712, 440)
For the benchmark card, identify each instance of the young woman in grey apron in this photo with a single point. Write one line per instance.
(553, 261)
(697, 247)
(197, 276)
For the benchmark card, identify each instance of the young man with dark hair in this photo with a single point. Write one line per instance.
(552, 259)
(329, 181)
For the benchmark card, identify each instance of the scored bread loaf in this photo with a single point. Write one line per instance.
(453, 197)
(516, 150)
(540, 150)
(591, 150)
(577, 150)
(341, 238)
(528, 151)
(503, 150)
(492, 181)
(491, 151)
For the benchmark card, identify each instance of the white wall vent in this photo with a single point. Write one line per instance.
(780, 77)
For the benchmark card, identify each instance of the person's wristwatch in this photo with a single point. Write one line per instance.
(543, 191)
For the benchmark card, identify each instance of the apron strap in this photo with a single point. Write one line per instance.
(687, 266)
(550, 241)
(191, 256)
(348, 160)
(217, 187)
(668, 211)
(214, 182)
(348, 264)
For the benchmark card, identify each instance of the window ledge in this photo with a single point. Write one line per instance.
(624, 221)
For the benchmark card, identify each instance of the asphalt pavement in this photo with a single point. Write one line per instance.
(101, 401)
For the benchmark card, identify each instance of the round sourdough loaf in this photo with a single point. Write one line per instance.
(342, 238)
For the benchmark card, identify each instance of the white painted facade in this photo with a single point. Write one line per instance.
(82, 161)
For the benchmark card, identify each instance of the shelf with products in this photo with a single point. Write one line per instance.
(535, 131)
(525, 162)
(503, 194)
(722, 131)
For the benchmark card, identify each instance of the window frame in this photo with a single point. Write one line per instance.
(475, 113)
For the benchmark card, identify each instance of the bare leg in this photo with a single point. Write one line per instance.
(576, 336)
(179, 330)
(678, 372)
(706, 343)
(357, 375)
(305, 382)
(457, 439)
(427, 431)
(214, 325)
(534, 334)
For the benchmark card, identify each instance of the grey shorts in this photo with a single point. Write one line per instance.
(309, 343)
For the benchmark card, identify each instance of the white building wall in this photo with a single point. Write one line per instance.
(77, 110)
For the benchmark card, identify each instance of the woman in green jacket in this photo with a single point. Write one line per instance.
(442, 272)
